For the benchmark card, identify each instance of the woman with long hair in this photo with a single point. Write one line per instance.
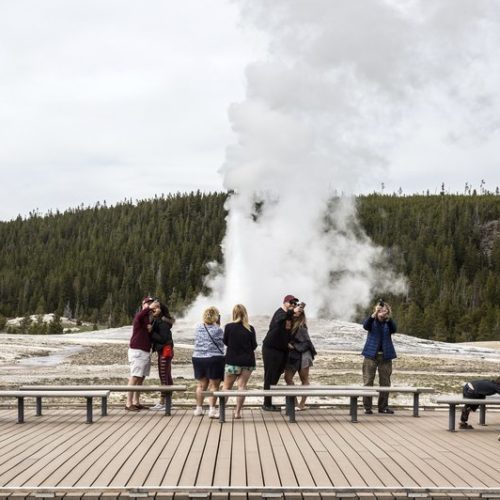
(163, 344)
(241, 342)
(208, 359)
(301, 353)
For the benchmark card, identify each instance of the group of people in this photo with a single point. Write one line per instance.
(228, 355)
(222, 355)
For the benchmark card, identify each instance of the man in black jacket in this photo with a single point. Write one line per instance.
(275, 346)
(477, 389)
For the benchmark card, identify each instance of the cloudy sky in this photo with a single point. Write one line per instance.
(122, 99)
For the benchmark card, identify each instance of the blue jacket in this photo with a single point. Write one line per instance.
(379, 334)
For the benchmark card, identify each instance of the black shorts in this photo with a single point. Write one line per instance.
(211, 368)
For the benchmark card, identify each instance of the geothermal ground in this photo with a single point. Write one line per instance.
(101, 357)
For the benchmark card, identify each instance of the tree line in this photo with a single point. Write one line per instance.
(94, 263)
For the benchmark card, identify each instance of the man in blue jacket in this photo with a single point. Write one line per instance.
(379, 352)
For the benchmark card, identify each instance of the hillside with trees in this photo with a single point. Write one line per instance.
(448, 247)
(94, 263)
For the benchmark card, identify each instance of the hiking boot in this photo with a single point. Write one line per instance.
(465, 425)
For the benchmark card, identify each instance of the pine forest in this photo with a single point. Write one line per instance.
(95, 263)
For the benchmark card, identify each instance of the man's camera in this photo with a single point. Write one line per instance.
(381, 302)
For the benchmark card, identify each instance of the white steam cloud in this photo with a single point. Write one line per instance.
(345, 81)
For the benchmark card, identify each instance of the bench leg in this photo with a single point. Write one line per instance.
(482, 415)
(415, 403)
(451, 418)
(290, 408)
(20, 410)
(89, 410)
(168, 404)
(222, 409)
(104, 406)
(38, 406)
(354, 409)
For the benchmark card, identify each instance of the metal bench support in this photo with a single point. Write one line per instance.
(482, 414)
(38, 406)
(222, 409)
(89, 410)
(168, 403)
(451, 417)
(20, 410)
(416, 397)
(354, 409)
(104, 406)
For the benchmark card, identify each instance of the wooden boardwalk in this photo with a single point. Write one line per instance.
(145, 453)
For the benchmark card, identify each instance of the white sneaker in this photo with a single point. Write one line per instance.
(198, 412)
(213, 413)
(158, 406)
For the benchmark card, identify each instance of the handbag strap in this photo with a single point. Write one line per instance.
(212, 339)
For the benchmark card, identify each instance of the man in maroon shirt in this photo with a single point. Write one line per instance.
(139, 353)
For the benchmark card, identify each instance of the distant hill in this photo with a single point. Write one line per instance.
(93, 263)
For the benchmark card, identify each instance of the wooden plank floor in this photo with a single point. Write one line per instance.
(392, 453)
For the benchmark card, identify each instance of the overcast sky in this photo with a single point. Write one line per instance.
(119, 99)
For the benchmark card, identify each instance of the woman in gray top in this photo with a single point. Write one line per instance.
(208, 359)
(301, 352)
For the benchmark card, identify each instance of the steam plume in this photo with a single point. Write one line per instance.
(344, 82)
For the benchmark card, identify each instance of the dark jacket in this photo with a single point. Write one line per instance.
(302, 342)
(485, 387)
(241, 344)
(379, 338)
(279, 332)
(161, 334)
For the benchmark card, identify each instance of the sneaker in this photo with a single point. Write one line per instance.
(158, 406)
(213, 413)
(465, 425)
(368, 412)
(386, 410)
(198, 412)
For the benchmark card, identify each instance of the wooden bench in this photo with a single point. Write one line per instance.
(38, 395)
(416, 391)
(290, 395)
(453, 401)
(167, 389)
